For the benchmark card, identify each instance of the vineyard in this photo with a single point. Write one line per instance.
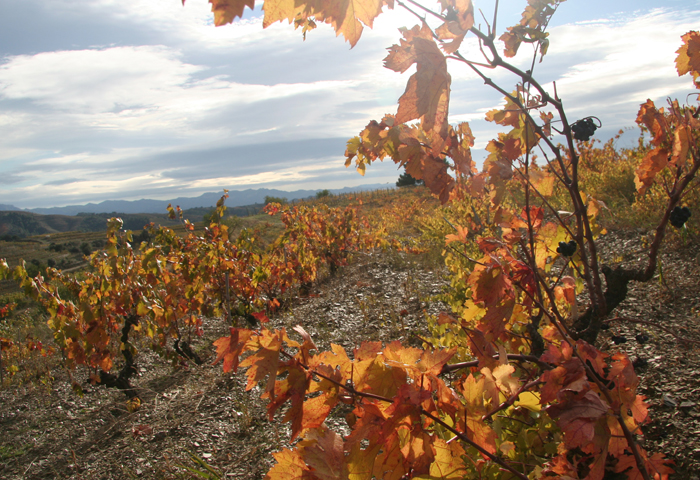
(533, 318)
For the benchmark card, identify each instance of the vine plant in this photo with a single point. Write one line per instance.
(521, 317)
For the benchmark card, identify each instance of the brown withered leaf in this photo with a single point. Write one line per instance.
(347, 17)
(653, 163)
(428, 90)
(654, 121)
(680, 145)
(226, 11)
(688, 59)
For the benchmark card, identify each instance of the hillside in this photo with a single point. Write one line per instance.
(21, 224)
(25, 224)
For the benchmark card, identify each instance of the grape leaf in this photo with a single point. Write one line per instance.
(448, 464)
(654, 121)
(460, 18)
(323, 453)
(688, 59)
(653, 162)
(229, 348)
(345, 16)
(657, 465)
(292, 388)
(577, 415)
(428, 90)
(226, 11)
(264, 361)
(489, 283)
(289, 466)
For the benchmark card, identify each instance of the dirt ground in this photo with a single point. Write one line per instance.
(195, 418)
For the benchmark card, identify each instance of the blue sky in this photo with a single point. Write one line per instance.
(110, 99)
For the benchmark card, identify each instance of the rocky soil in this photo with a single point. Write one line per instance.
(197, 419)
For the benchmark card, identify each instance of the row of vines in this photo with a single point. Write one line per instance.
(161, 290)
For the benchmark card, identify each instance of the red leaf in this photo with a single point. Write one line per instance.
(230, 348)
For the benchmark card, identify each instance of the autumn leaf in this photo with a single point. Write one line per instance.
(448, 463)
(688, 59)
(229, 348)
(654, 121)
(264, 361)
(652, 163)
(226, 11)
(428, 90)
(460, 18)
(289, 466)
(345, 16)
(489, 283)
(577, 414)
(656, 465)
(460, 236)
(567, 291)
(680, 145)
(323, 452)
(292, 388)
(508, 116)
(531, 27)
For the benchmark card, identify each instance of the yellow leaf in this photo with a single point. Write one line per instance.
(345, 16)
(529, 400)
(448, 463)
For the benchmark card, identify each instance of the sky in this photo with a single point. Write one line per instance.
(123, 100)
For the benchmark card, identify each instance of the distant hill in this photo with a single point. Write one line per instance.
(26, 224)
(237, 198)
(7, 207)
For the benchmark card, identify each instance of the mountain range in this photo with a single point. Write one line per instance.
(236, 198)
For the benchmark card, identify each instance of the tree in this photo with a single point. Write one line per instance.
(405, 180)
(270, 199)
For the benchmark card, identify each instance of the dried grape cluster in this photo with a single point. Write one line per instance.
(584, 129)
(567, 249)
(679, 216)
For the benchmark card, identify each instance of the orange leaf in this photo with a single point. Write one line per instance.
(428, 90)
(265, 361)
(324, 453)
(448, 464)
(489, 284)
(225, 11)
(576, 415)
(688, 59)
(289, 466)
(657, 466)
(460, 236)
(680, 145)
(230, 348)
(345, 16)
(653, 162)
(293, 388)
(567, 291)
(654, 121)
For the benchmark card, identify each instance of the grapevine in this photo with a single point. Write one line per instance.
(528, 394)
